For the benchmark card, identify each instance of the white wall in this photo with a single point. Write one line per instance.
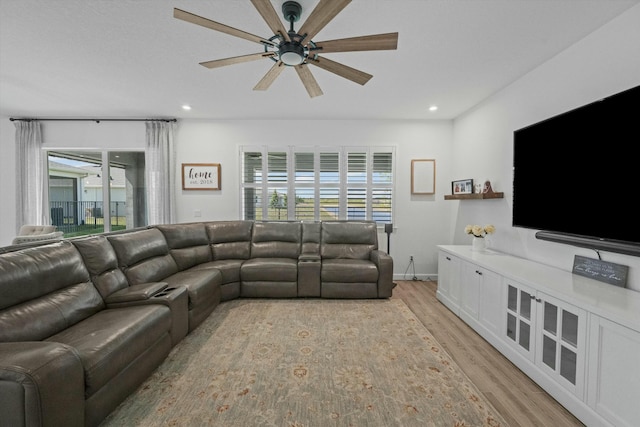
(604, 63)
(420, 222)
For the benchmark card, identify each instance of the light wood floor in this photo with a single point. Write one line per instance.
(518, 399)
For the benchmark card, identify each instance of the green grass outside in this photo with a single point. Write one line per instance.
(95, 226)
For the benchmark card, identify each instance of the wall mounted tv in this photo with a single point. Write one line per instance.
(576, 176)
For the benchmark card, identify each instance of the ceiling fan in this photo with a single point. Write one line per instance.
(296, 48)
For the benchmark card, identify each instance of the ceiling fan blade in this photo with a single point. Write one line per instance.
(271, 75)
(309, 82)
(388, 41)
(217, 63)
(207, 23)
(268, 13)
(323, 13)
(349, 73)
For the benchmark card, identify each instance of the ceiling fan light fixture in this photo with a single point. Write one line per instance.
(291, 53)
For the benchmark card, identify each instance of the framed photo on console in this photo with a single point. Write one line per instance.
(201, 176)
(463, 186)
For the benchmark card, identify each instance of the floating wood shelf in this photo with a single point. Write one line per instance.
(492, 195)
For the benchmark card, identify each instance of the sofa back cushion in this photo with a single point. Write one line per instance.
(348, 239)
(143, 256)
(188, 243)
(230, 239)
(102, 262)
(311, 238)
(44, 290)
(276, 240)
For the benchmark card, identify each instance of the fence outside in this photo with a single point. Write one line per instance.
(77, 218)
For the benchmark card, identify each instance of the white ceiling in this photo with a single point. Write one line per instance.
(132, 59)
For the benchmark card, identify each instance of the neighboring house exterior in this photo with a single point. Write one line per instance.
(75, 194)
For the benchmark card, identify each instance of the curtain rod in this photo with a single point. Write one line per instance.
(25, 119)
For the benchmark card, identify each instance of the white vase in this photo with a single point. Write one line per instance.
(478, 244)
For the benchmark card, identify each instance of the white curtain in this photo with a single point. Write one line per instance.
(161, 171)
(32, 186)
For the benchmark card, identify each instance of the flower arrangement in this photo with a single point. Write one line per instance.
(479, 231)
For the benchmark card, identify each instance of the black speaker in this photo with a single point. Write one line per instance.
(388, 228)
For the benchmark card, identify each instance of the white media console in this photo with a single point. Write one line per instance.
(578, 338)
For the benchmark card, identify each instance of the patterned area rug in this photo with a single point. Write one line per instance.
(308, 363)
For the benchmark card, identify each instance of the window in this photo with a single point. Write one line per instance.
(92, 192)
(347, 183)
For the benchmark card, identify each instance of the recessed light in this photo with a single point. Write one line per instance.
(186, 107)
(433, 108)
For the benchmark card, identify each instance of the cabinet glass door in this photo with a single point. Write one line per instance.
(519, 316)
(562, 342)
(559, 350)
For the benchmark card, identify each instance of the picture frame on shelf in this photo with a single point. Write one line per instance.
(462, 186)
(201, 176)
(423, 176)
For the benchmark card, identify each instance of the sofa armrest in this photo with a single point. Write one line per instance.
(139, 292)
(384, 262)
(41, 384)
(174, 297)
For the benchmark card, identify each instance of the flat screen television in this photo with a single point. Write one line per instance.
(576, 176)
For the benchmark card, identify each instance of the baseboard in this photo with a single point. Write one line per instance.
(423, 277)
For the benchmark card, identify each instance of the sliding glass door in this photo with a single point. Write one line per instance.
(92, 192)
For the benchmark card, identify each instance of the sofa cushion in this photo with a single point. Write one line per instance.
(186, 258)
(188, 244)
(311, 238)
(154, 269)
(137, 246)
(97, 253)
(112, 339)
(276, 240)
(270, 270)
(44, 290)
(348, 239)
(184, 235)
(348, 271)
(42, 317)
(143, 256)
(230, 239)
(102, 262)
(229, 268)
(201, 285)
(33, 272)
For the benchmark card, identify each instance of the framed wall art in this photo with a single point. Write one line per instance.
(201, 176)
(463, 186)
(423, 176)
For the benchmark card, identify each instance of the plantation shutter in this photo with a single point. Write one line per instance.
(310, 183)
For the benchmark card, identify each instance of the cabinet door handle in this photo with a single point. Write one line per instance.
(479, 272)
(538, 300)
(532, 296)
(448, 259)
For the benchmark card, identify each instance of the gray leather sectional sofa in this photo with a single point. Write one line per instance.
(83, 322)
